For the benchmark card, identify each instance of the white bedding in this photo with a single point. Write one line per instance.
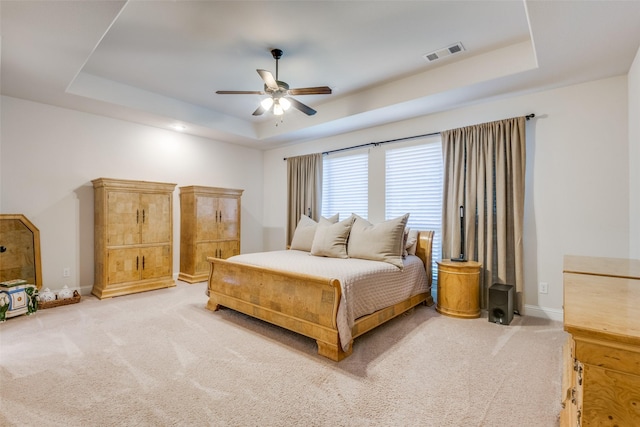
(367, 286)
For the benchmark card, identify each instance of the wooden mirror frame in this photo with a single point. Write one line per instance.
(36, 243)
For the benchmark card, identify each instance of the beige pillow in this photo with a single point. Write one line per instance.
(306, 229)
(378, 242)
(331, 239)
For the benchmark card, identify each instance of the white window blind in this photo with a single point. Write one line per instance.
(413, 183)
(345, 185)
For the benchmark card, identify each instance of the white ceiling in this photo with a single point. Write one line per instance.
(160, 62)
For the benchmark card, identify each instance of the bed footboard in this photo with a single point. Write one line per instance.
(301, 303)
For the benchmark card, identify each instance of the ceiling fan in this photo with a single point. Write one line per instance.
(279, 93)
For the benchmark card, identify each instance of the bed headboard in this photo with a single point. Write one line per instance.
(424, 251)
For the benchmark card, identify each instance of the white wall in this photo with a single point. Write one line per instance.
(634, 157)
(578, 176)
(577, 186)
(50, 155)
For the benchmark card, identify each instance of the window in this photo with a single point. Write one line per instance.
(413, 183)
(345, 185)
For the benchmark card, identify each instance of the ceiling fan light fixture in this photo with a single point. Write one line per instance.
(277, 109)
(266, 103)
(285, 103)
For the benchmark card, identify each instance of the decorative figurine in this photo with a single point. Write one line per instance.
(32, 295)
(4, 306)
(65, 293)
(47, 295)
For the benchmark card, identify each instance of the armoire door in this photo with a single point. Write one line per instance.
(156, 262)
(155, 218)
(228, 218)
(123, 265)
(124, 216)
(206, 218)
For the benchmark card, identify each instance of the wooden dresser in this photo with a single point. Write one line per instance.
(133, 236)
(601, 376)
(209, 227)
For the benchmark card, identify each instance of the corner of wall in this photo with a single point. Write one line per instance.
(633, 87)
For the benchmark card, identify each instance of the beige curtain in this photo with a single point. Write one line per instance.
(484, 167)
(304, 184)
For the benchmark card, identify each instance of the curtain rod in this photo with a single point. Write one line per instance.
(406, 138)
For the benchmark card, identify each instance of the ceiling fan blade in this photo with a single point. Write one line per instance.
(300, 106)
(268, 79)
(259, 111)
(239, 92)
(320, 90)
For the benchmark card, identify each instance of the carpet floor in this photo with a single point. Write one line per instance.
(161, 359)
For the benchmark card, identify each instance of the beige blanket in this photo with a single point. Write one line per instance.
(367, 286)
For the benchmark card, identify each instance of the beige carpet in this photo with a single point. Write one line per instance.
(161, 359)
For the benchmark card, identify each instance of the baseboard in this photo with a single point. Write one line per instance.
(544, 312)
(85, 290)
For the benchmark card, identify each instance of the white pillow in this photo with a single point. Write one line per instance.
(411, 241)
(306, 230)
(331, 239)
(378, 242)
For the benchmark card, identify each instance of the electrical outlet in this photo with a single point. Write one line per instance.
(543, 288)
(66, 272)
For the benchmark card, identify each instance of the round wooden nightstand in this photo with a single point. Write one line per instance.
(459, 288)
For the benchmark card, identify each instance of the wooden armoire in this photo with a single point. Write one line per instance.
(133, 236)
(209, 227)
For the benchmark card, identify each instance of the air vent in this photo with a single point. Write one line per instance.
(444, 52)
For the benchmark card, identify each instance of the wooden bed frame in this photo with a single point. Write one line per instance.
(301, 303)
